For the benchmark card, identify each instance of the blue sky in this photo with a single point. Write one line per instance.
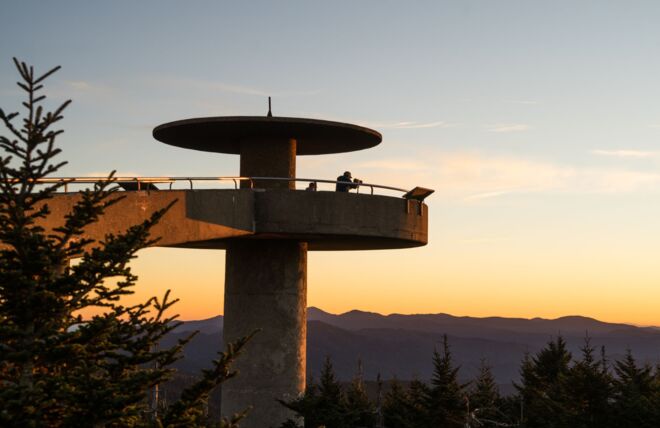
(536, 122)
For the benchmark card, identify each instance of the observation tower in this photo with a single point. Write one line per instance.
(267, 227)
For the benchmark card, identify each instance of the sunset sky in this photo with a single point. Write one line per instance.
(538, 124)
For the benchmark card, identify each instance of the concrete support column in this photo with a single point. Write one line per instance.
(266, 288)
(269, 157)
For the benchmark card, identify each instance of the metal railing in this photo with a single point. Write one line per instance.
(143, 183)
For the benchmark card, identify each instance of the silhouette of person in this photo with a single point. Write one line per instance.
(345, 182)
(311, 187)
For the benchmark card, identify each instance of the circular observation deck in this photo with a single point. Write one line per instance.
(210, 218)
(228, 134)
(327, 221)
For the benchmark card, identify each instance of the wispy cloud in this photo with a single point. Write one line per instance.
(626, 153)
(410, 125)
(103, 174)
(85, 91)
(484, 177)
(515, 127)
(393, 164)
(482, 240)
(381, 125)
(207, 85)
(473, 177)
(88, 88)
(524, 102)
(80, 85)
(488, 195)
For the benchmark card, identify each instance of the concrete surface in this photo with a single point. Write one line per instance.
(273, 157)
(230, 134)
(209, 218)
(266, 289)
(195, 217)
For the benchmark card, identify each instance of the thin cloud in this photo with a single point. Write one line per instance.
(381, 125)
(516, 127)
(206, 85)
(488, 195)
(524, 102)
(411, 125)
(103, 174)
(393, 164)
(625, 153)
(247, 90)
(83, 90)
(472, 177)
(84, 87)
(482, 240)
(80, 85)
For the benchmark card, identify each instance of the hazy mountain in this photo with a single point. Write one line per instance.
(401, 345)
(481, 327)
(208, 326)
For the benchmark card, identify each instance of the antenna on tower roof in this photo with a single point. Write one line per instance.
(270, 113)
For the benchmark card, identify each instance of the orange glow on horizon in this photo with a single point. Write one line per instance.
(385, 282)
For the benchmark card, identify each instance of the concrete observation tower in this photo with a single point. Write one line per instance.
(266, 272)
(267, 227)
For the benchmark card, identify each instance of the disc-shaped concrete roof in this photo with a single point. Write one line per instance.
(226, 134)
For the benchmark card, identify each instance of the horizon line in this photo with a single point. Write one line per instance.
(455, 316)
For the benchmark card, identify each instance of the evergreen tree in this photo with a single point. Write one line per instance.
(528, 389)
(398, 411)
(510, 407)
(331, 403)
(58, 369)
(484, 398)
(544, 387)
(446, 399)
(305, 407)
(635, 395)
(360, 411)
(418, 399)
(323, 404)
(590, 389)
(380, 421)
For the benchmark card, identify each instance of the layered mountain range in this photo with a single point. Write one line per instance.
(401, 346)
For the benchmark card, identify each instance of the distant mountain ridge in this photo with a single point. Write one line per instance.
(355, 320)
(207, 326)
(401, 345)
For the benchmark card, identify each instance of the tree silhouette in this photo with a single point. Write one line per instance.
(636, 395)
(360, 411)
(446, 398)
(590, 390)
(58, 369)
(398, 410)
(554, 391)
(543, 387)
(323, 404)
(486, 406)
